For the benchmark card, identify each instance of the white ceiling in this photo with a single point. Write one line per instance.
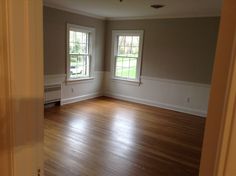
(114, 9)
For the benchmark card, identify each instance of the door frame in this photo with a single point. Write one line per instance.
(222, 105)
(220, 126)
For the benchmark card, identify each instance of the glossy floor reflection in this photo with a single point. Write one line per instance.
(107, 137)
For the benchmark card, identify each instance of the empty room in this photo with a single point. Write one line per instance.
(117, 88)
(127, 86)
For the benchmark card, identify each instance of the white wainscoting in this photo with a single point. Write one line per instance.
(50, 80)
(187, 97)
(82, 90)
(78, 90)
(175, 95)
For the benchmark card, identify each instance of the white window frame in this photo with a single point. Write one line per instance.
(115, 34)
(91, 32)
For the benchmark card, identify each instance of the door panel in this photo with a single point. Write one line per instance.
(25, 80)
(6, 161)
(221, 104)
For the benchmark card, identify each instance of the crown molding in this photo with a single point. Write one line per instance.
(129, 18)
(162, 17)
(74, 11)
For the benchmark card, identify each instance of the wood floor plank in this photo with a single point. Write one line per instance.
(108, 137)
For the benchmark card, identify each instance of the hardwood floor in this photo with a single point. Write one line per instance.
(108, 137)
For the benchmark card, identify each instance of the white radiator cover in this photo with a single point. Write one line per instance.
(52, 93)
(52, 88)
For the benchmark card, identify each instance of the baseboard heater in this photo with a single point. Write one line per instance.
(52, 93)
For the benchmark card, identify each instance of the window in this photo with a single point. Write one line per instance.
(126, 54)
(79, 52)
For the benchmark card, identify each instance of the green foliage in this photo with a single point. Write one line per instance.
(126, 73)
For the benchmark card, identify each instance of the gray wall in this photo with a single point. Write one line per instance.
(178, 49)
(55, 39)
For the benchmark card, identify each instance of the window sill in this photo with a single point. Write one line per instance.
(80, 80)
(127, 81)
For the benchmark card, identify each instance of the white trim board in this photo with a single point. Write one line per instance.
(158, 104)
(81, 98)
(54, 79)
(176, 81)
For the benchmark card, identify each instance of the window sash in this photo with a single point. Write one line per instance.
(87, 43)
(88, 51)
(86, 67)
(137, 35)
(127, 72)
(129, 47)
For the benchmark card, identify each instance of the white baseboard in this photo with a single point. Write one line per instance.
(136, 100)
(158, 104)
(80, 98)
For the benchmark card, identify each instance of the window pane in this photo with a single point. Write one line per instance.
(121, 41)
(72, 36)
(78, 37)
(79, 42)
(135, 52)
(85, 38)
(126, 67)
(128, 46)
(133, 63)
(72, 47)
(73, 61)
(119, 71)
(83, 49)
(79, 66)
(125, 63)
(128, 51)
(128, 40)
(125, 73)
(119, 63)
(121, 51)
(135, 41)
(132, 72)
